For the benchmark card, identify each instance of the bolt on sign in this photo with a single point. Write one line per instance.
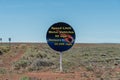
(60, 36)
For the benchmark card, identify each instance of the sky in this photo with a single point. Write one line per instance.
(94, 21)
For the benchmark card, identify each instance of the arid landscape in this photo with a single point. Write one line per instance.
(37, 61)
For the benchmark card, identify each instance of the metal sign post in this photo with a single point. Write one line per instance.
(9, 42)
(61, 69)
(1, 40)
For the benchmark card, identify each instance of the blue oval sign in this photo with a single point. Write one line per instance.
(60, 36)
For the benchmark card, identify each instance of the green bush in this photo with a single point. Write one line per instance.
(29, 78)
(2, 71)
(25, 78)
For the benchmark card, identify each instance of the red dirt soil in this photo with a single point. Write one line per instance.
(48, 76)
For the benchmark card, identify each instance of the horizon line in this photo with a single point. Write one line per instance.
(46, 42)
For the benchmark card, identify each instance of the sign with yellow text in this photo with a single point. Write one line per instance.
(60, 36)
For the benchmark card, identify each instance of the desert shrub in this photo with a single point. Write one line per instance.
(21, 64)
(37, 55)
(89, 68)
(2, 71)
(4, 50)
(41, 55)
(39, 64)
(25, 78)
(29, 78)
(34, 78)
(1, 52)
(22, 46)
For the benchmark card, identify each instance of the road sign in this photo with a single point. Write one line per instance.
(60, 36)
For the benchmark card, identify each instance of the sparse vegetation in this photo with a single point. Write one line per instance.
(35, 59)
(101, 60)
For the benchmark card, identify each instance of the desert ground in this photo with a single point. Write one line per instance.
(37, 61)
